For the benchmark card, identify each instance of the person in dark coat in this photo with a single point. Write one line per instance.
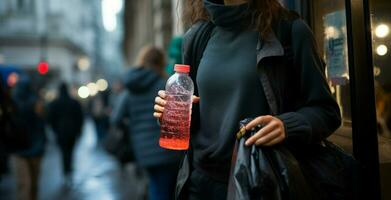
(242, 47)
(27, 161)
(137, 104)
(65, 116)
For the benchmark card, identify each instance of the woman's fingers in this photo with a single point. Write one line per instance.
(267, 138)
(160, 101)
(158, 108)
(159, 104)
(263, 132)
(162, 94)
(157, 115)
(262, 120)
(196, 99)
(271, 133)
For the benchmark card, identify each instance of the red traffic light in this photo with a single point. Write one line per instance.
(43, 67)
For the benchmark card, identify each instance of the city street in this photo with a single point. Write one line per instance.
(97, 175)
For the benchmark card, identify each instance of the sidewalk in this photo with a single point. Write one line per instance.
(97, 176)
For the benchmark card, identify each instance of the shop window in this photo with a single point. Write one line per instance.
(329, 25)
(381, 45)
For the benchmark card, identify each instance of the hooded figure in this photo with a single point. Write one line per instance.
(65, 116)
(137, 104)
(27, 161)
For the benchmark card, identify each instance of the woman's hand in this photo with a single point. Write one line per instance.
(271, 133)
(160, 103)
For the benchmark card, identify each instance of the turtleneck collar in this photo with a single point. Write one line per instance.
(228, 16)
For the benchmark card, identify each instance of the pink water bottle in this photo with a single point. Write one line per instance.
(175, 121)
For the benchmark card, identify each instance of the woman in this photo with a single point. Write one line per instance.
(229, 90)
(143, 83)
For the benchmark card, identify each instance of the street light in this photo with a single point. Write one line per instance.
(382, 31)
(381, 50)
(43, 67)
(83, 92)
(102, 85)
(83, 63)
(92, 88)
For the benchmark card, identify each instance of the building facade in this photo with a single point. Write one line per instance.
(68, 35)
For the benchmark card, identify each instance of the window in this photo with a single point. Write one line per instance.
(329, 25)
(381, 44)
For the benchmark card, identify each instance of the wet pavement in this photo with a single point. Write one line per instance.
(97, 175)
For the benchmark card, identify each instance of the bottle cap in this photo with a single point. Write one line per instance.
(182, 68)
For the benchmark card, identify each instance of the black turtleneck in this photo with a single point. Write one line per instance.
(228, 85)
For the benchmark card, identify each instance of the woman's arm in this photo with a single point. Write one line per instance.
(318, 114)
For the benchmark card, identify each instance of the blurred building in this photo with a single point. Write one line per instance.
(150, 22)
(69, 35)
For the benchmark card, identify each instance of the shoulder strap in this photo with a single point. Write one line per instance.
(197, 47)
(283, 31)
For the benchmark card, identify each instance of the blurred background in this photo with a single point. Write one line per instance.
(81, 41)
(90, 45)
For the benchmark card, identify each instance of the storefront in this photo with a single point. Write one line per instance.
(354, 37)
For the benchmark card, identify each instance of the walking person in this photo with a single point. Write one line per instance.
(243, 44)
(65, 116)
(29, 119)
(143, 83)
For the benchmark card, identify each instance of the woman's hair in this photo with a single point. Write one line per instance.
(153, 58)
(264, 12)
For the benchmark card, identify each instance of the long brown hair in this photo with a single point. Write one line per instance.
(153, 58)
(264, 12)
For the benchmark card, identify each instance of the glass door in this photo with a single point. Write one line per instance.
(341, 30)
(381, 44)
(329, 26)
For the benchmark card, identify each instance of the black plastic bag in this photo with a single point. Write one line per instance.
(318, 171)
(331, 172)
(269, 173)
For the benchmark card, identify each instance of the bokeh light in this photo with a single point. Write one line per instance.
(382, 31)
(102, 84)
(83, 92)
(12, 79)
(93, 89)
(381, 50)
(43, 67)
(84, 63)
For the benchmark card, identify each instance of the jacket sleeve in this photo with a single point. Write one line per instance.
(317, 115)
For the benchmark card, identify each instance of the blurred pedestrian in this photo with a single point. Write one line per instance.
(117, 141)
(65, 116)
(5, 105)
(100, 114)
(383, 108)
(142, 83)
(27, 161)
(244, 54)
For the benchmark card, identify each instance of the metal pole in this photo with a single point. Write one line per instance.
(365, 144)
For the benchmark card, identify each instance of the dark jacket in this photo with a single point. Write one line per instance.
(26, 102)
(137, 104)
(305, 103)
(65, 116)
